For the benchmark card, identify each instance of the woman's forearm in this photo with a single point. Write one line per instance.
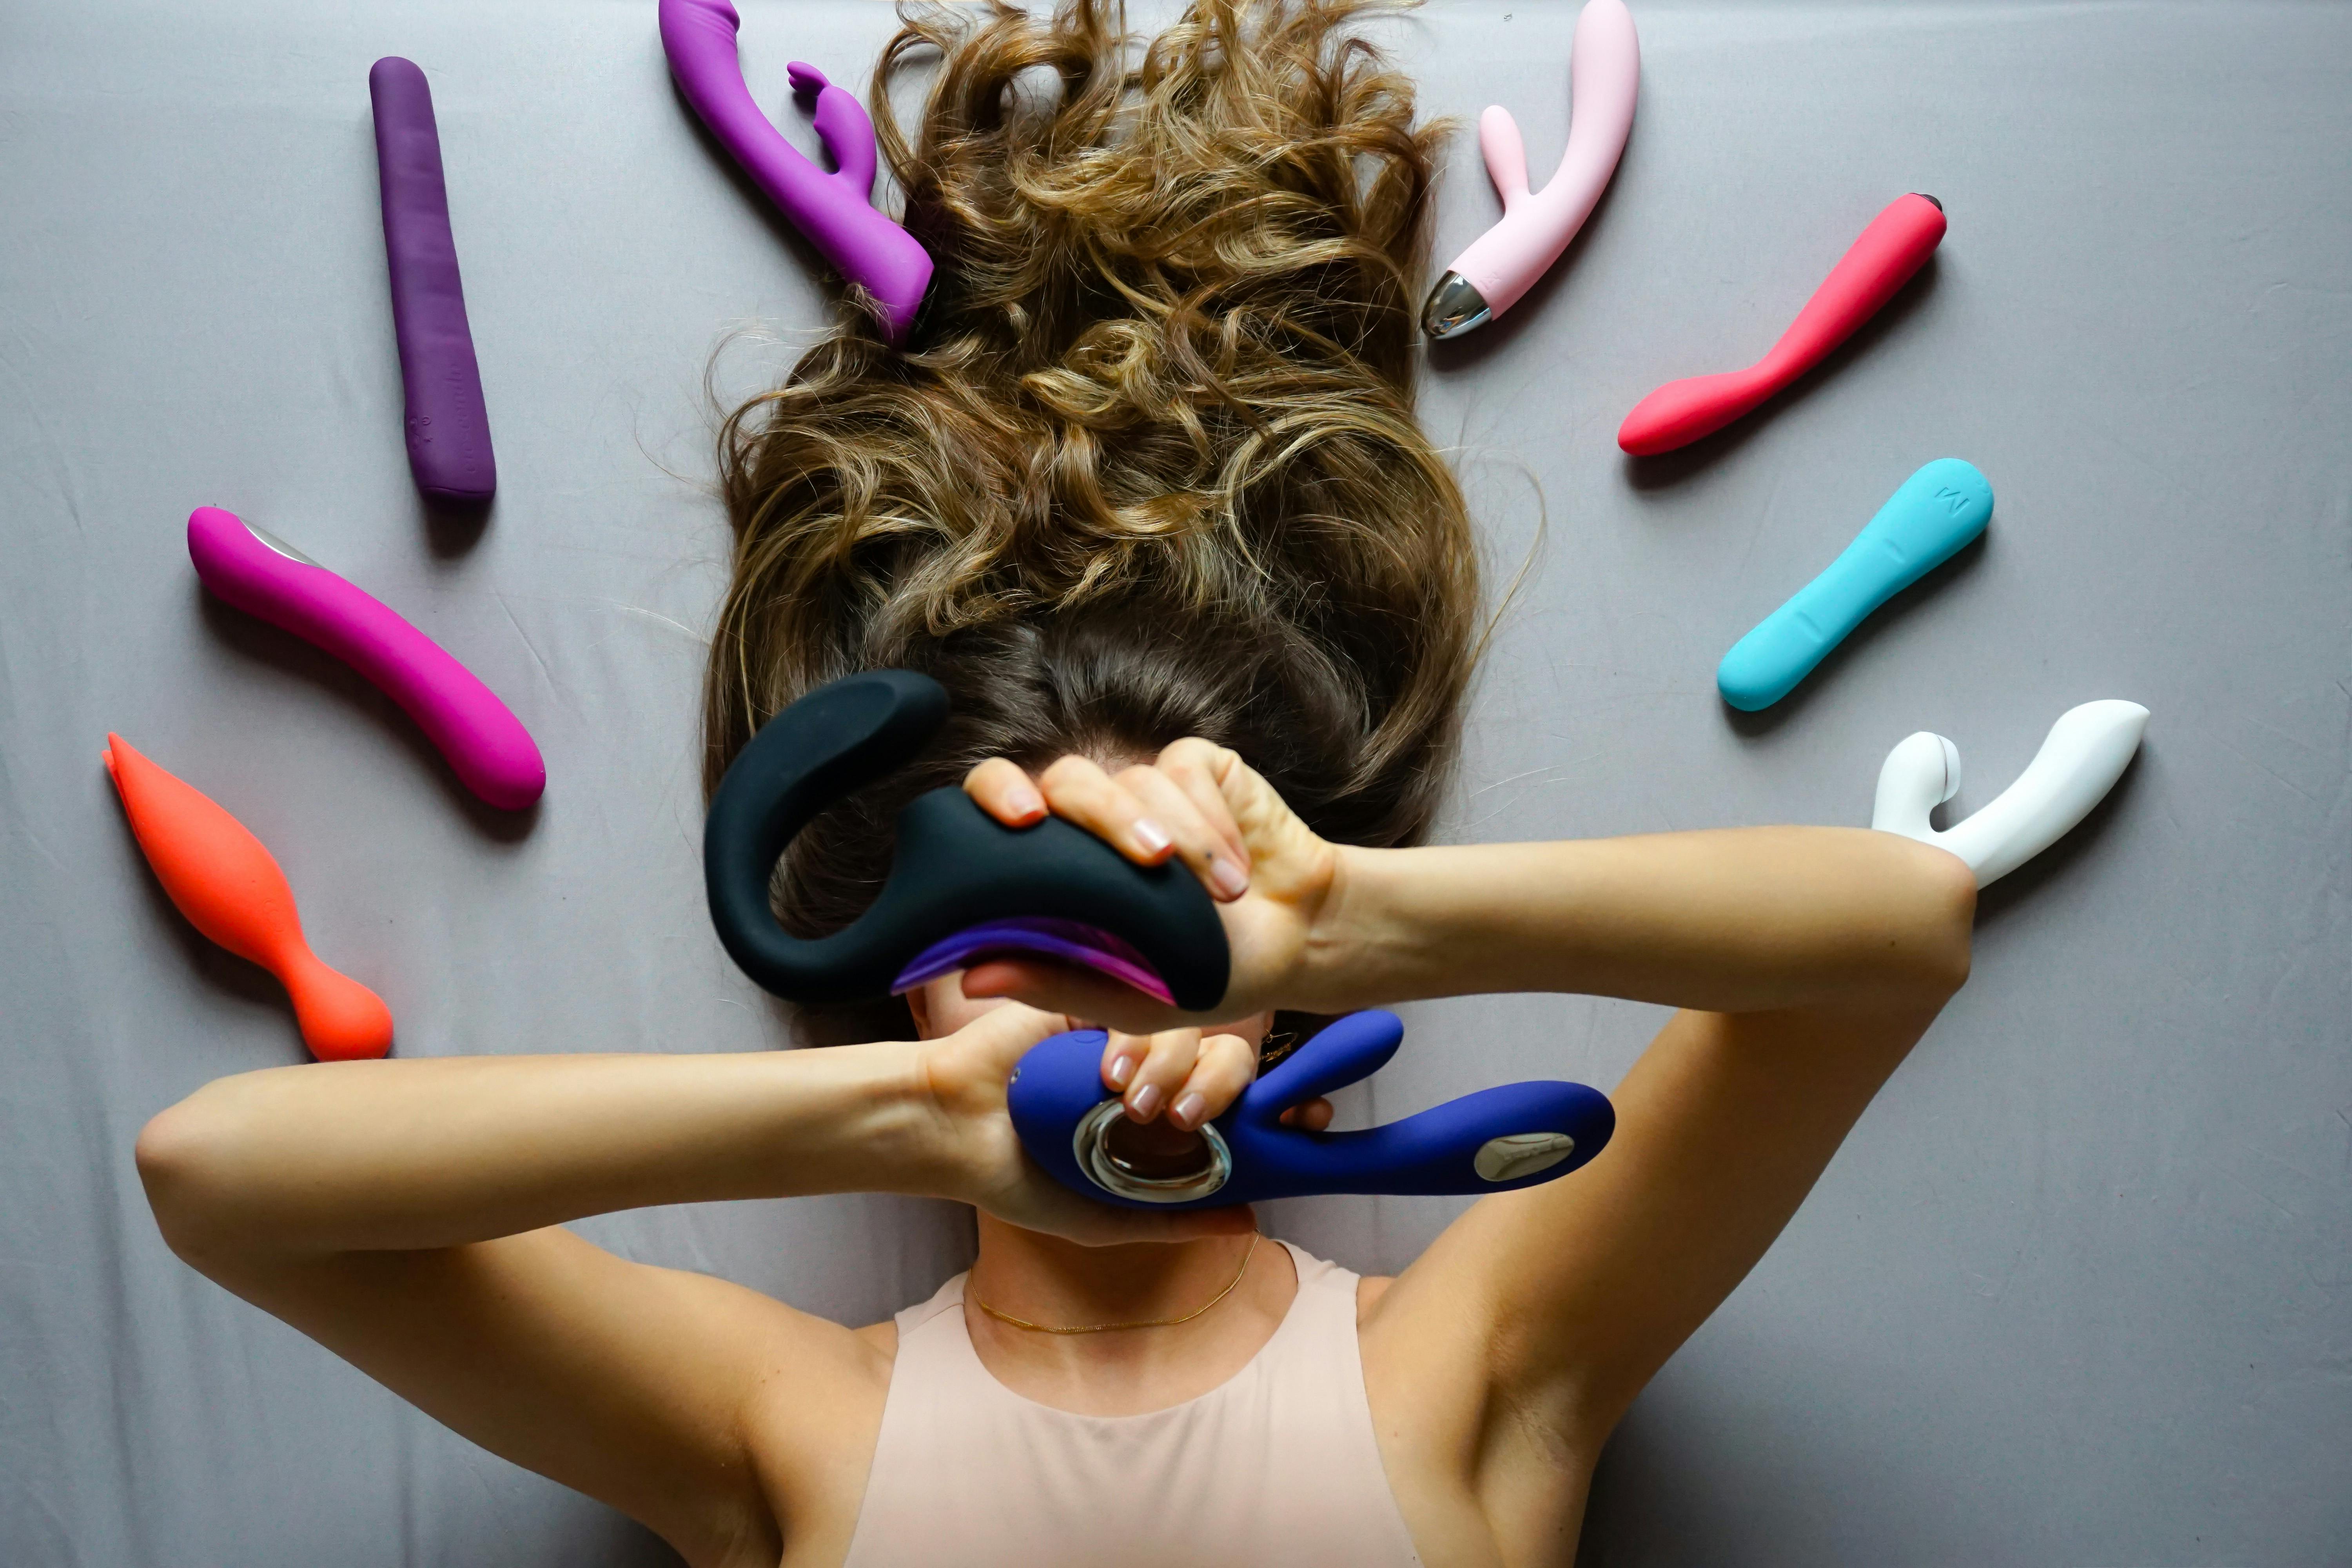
(357, 1156)
(1736, 921)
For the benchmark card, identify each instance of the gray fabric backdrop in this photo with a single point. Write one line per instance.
(2078, 1290)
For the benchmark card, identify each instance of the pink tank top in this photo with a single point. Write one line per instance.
(1276, 1465)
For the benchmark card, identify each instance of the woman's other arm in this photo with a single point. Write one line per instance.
(1731, 920)
(407, 1155)
(1524, 1333)
(406, 1215)
(1807, 961)
(1739, 919)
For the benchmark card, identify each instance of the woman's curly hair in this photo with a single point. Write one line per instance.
(1147, 465)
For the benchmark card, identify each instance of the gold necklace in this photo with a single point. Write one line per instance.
(1231, 1286)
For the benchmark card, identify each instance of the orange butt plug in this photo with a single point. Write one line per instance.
(228, 885)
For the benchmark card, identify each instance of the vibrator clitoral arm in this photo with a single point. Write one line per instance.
(833, 211)
(2080, 760)
(1514, 1135)
(1604, 77)
(486, 745)
(963, 886)
(448, 423)
(1896, 244)
(1924, 523)
(228, 885)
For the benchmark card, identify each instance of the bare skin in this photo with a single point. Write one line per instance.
(408, 1215)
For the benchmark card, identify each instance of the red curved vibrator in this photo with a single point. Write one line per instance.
(228, 885)
(1896, 244)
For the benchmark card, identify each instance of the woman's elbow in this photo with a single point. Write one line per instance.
(1940, 900)
(185, 1154)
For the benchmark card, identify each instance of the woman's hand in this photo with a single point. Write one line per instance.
(1272, 878)
(1193, 1076)
(964, 1075)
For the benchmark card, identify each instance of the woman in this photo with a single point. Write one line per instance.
(1146, 493)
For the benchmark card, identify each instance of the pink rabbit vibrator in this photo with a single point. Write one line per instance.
(1604, 74)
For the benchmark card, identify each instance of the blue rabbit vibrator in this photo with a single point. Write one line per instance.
(1514, 1135)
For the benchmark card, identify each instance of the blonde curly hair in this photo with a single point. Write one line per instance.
(1147, 465)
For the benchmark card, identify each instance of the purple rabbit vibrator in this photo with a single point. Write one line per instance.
(833, 211)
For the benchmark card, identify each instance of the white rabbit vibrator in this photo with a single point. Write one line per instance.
(2080, 760)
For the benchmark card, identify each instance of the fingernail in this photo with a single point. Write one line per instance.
(1122, 1068)
(1229, 879)
(1025, 802)
(1186, 1112)
(1153, 838)
(1146, 1101)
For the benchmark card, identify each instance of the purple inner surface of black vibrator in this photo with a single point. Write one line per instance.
(1071, 942)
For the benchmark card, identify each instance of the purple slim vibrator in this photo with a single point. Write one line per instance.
(448, 423)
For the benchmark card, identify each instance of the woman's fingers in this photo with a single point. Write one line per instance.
(1223, 1066)
(1308, 1115)
(1179, 1073)
(1200, 769)
(1004, 1035)
(1159, 1077)
(1271, 873)
(1004, 790)
(1079, 790)
(1122, 1053)
(1144, 813)
(1221, 863)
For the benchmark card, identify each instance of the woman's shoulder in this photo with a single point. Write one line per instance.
(882, 1339)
